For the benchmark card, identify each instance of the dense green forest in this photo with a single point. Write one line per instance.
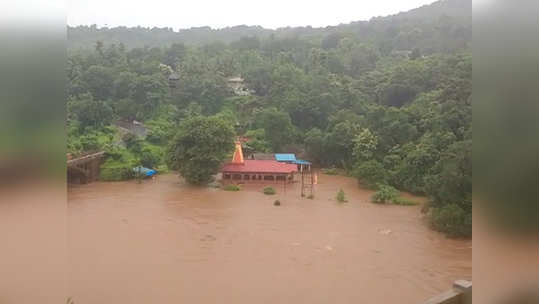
(442, 26)
(387, 100)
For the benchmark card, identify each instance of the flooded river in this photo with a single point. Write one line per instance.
(163, 241)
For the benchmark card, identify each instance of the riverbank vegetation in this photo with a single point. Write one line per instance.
(388, 194)
(387, 101)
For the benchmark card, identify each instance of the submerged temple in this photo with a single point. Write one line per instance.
(241, 170)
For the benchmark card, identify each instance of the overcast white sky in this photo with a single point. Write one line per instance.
(180, 14)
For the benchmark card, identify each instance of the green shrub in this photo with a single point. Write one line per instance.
(384, 194)
(158, 135)
(404, 202)
(269, 191)
(149, 158)
(89, 142)
(452, 220)
(371, 173)
(330, 171)
(161, 169)
(214, 184)
(118, 165)
(231, 187)
(116, 171)
(116, 152)
(341, 197)
(161, 126)
(132, 142)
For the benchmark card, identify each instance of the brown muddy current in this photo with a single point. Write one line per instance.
(163, 241)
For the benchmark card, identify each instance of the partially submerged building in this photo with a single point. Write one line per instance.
(290, 158)
(241, 170)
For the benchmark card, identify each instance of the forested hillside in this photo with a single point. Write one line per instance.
(387, 100)
(443, 26)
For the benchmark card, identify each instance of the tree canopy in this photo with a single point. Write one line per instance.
(200, 147)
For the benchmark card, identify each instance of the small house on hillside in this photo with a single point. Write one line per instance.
(173, 79)
(237, 85)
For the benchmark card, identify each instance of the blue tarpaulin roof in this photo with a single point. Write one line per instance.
(301, 162)
(144, 171)
(285, 157)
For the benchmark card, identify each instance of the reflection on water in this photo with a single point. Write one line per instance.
(166, 242)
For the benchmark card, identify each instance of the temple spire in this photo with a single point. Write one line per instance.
(238, 154)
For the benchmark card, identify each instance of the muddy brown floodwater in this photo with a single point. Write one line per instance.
(163, 241)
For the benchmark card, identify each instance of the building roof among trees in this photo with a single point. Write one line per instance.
(285, 157)
(235, 79)
(301, 162)
(174, 76)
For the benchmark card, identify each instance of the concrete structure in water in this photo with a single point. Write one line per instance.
(84, 169)
(461, 293)
(241, 170)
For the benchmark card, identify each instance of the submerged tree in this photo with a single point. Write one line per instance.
(200, 147)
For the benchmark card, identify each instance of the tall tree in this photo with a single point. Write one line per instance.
(277, 126)
(89, 112)
(200, 147)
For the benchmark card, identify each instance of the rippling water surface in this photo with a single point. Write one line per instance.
(163, 241)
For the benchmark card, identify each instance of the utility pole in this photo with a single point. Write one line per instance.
(302, 182)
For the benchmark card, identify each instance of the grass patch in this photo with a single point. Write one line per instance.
(330, 171)
(269, 191)
(231, 187)
(404, 202)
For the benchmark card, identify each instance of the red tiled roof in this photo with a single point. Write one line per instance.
(260, 166)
